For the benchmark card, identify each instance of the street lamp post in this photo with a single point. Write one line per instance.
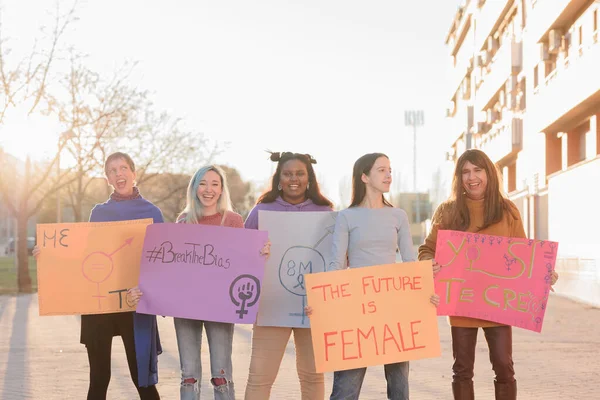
(415, 118)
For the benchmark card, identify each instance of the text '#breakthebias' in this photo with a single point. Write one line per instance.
(194, 253)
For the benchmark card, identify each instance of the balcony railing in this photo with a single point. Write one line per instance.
(506, 62)
(462, 27)
(573, 80)
(461, 122)
(548, 14)
(503, 139)
(489, 14)
(463, 66)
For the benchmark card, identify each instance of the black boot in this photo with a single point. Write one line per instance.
(463, 390)
(506, 391)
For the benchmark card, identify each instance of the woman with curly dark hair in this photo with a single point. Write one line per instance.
(294, 187)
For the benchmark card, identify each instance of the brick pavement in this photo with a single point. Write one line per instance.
(41, 358)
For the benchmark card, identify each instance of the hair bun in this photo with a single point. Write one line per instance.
(275, 156)
(311, 159)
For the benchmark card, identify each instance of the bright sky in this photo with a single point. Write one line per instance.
(327, 77)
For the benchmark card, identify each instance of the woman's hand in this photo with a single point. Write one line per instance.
(135, 294)
(436, 266)
(554, 278)
(308, 311)
(435, 300)
(36, 251)
(266, 250)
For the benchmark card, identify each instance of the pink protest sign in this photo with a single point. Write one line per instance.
(496, 278)
(202, 272)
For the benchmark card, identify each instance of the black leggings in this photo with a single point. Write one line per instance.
(99, 353)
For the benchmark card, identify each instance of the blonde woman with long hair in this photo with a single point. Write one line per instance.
(208, 202)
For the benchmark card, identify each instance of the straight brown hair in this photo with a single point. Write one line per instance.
(359, 189)
(456, 213)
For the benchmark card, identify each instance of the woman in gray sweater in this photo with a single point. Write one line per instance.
(370, 232)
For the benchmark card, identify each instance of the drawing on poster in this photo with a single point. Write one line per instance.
(244, 292)
(98, 266)
(514, 267)
(300, 260)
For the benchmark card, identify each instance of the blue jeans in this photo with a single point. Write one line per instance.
(347, 384)
(189, 342)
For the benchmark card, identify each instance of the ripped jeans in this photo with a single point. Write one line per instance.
(189, 342)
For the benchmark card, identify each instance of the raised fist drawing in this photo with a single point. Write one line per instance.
(246, 291)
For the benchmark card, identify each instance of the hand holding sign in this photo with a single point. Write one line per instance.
(134, 295)
(266, 250)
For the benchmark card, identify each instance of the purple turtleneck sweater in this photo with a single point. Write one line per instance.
(281, 205)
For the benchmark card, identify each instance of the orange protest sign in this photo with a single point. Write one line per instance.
(372, 315)
(86, 268)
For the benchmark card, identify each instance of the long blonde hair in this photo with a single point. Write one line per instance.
(194, 210)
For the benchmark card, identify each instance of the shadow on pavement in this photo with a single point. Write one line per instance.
(16, 368)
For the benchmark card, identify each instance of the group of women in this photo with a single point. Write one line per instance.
(370, 231)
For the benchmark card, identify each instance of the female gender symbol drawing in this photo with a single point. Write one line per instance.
(98, 266)
(248, 293)
(473, 254)
(300, 260)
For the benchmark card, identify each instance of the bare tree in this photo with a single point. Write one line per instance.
(167, 191)
(24, 84)
(107, 116)
(242, 193)
(160, 145)
(95, 113)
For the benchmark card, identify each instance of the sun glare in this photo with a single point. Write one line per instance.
(34, 136)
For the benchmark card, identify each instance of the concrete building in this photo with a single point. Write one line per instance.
(526, 90)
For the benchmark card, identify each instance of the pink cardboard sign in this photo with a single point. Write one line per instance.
(495, 278)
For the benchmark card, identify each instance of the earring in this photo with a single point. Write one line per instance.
(308, 186)
(279, 187)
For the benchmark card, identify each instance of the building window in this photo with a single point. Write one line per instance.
(582, 146)
(553, 153)
(536, 76)
(550, 67)
(512, 177)
(576, 143)
(566, 44)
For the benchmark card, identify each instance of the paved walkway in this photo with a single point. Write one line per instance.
(41, 358)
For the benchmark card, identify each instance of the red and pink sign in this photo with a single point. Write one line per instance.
(496, 278)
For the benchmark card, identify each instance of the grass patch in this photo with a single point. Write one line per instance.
(8, 275)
